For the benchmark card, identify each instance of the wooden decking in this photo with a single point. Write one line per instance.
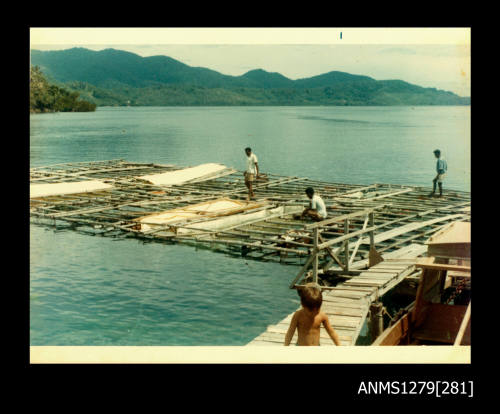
(347, 304)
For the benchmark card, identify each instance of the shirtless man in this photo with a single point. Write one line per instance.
(309, 319)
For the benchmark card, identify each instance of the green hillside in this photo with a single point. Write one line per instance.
(47, 97)
(114, 77)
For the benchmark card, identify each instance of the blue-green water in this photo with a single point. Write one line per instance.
(88, 290)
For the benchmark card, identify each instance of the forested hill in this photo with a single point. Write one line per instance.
(115, 77)
(45, 97)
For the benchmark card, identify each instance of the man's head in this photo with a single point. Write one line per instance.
(248, 151)
(310, 296)
(437, 153)
(310, 192)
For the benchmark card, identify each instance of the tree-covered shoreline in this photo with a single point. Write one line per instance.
(47, 97)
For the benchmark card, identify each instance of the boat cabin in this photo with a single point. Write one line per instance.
(440, 314)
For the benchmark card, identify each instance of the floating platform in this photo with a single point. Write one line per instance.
(262, 229)
(372, 235)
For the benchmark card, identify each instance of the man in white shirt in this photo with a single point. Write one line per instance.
(252, 171)
(317, 208)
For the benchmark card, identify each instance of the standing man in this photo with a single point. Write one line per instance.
(317, 208)
(252, 171)
(441, 168)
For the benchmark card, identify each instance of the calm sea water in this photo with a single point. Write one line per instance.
(88, 290)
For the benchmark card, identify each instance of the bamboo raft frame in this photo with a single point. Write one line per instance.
(385, 217)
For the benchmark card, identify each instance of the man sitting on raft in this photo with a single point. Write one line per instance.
(316, 209)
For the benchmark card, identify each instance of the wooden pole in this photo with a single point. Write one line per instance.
(376, 320)
(372, 233)
(463, 326)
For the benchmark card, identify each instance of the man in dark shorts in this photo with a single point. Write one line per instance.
(252, 171)
(441, 168)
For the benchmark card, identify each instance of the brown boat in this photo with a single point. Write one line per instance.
(440, 314)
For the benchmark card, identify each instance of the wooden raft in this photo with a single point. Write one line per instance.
(401, 215)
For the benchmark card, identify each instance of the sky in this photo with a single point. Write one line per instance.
(428, 57)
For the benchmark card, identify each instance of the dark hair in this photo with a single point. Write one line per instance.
(310, 296)
(437, 152)
(309, 190)
(248, 149)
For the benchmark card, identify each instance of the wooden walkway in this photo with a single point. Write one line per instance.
(347, 304)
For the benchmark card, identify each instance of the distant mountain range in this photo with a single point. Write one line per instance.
(116, 77)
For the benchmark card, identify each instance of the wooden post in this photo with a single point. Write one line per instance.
(374, 257)
(372, 236)
(376, 320)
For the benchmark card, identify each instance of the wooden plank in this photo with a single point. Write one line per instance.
(348, 294)
(368, 282)
(345, 288)
(274, 336)
(376, 269)
(376, 275)
(459, 274)
(356, 306)
(374, 283)
(347, 302)
(335, 318)
(443, 266)
(344, 324)
(337, 311)
(350, 288)
(372, 277)
(262, 342)
(367, 279)
(389, 260)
